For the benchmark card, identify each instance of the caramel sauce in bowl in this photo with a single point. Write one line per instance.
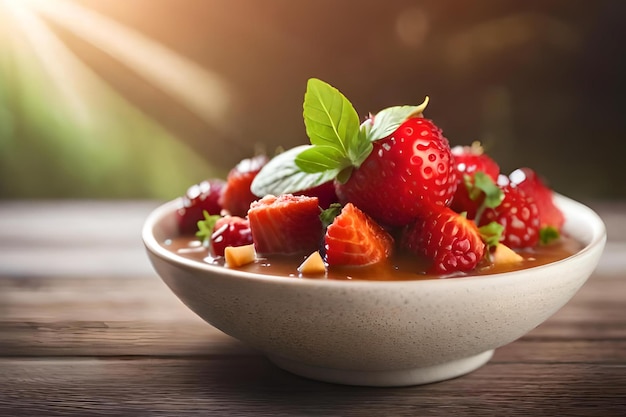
(380, 326)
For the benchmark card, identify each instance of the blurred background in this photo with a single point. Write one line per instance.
(141, 98)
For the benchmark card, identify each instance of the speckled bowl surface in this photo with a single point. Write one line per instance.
(371, 332)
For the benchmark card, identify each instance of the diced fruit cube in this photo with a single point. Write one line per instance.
(236, 256)
(312, 265)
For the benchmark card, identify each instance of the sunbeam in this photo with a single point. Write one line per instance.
(199, 90)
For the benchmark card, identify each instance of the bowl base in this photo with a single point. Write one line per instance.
(392, 378)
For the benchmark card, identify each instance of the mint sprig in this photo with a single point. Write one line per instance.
(481, 184)
(338, 142)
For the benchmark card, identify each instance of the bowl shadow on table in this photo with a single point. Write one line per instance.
(251, 382)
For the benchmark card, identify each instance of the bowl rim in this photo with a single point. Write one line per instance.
(594, 222)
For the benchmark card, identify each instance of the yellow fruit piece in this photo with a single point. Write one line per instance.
(312, 265)
(503, 255)
(237, 256)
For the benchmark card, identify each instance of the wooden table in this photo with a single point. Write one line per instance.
(88, 329)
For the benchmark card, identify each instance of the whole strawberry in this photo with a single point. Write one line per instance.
(549, 214)
(517, 213)
(474, 169)
(394, 166)
(449, 239)
(406, 174)
(237, 196)
(199, 198)
(230, 231)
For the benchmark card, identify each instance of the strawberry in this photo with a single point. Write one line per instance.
(449, 239)
(285, 224)
(549, 214)
(237, 196)
(468, 162)
(406, 173)
(393, 166)
(518, 214)
(353, 238)
(199, 198)
(325, 194)
(230, 231)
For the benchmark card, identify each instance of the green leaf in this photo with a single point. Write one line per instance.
(281, 175)
(491, 233)
(331, 120)
(205, 227)
(321, 158)
(386, 121)
(548, 234)
(328, 216)
(482, 184)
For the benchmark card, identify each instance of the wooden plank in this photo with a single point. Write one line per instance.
(252, 386)
(52, 339)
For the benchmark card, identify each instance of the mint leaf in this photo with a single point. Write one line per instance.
(331, 121)
(281, 175)
(386, 121)
(205, 227)
(321, 158)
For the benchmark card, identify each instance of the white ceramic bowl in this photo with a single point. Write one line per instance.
(371, 332)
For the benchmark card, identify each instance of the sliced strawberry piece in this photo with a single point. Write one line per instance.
(549, 214)
(449, 239)
(236, 196)
(199, 198)
(468, 161)
(285, 224)
(230, 231)
(354, 239)
(518, 214)
(406, 173)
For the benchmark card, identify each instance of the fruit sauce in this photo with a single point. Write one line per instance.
(401, 267)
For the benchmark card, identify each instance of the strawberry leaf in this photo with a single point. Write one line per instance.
(205, 227)
(328, 216)
(548, 234)
(386, 121)
(281, 175)
(491, 233)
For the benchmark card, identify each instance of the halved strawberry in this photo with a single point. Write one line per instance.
(549, 214)
(236, 196)
(518, 214)
(230, 231)
(353, 238)
(449, 239)
(285, 224)
(468, 162)
(199, 198)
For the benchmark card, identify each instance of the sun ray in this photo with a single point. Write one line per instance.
(58, 63)
(203, 92)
